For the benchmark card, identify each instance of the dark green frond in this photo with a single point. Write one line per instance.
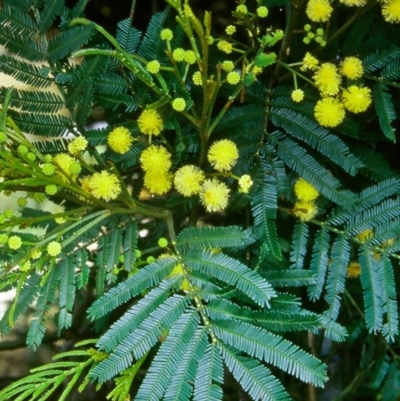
(181, 387)
(46, 297)
(49, 13)
(135, 284)
(134, 316)
(221, 309)
(263, 207)
(378, 192)
(255, 378)
(202, 238)
(140, 341)
(272, 349)
(332, 329)
(18, 22)
(83, 80)
(299, 246)
(35, 101)
(130, 244)
(68, 41)
(374, 216)
(51, 146)
(385, 109)
(289, 278)
(391, 384)
(307, 167)
(280, 322)
(380, 59)
(110, 83)
(285, 302)
(28, 73)
(41, 124)
(26, 295)
(372, 271)
(151, 46)
(209, 377)
(390, 328)
(319, 262)
(26, 47)
(232, 272)
(392, 71)
(127, 36)
(168, 358)
(67, 292)
(317, 137)
(339, 260)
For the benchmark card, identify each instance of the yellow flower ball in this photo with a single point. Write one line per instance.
(77, 145)
(179, 104)
(54, 248)
(365, 235)
(196, 78)
(166, 34)
(64, 161)
(309, 62)
(155, 159)
(262, 12)
(391, 11)
(227, 65)
(214, 195)
(305, 211)
(225, 46)
(190, 56)
(297, 95)
(153, 67)
(356, 99)
(230, 29)
(157, 183)
(319, 10)
(179, 54)
(352, 68)
(353, 270)
(120, 140)
(14, 242)
(329, 112)
(188, 180)
(223, 155)
(245, 183)
(150, 122)
(241, 9)
(233, 78)
(105, 186)
(327, 79)
(304, 191)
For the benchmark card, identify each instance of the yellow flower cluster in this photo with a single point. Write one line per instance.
(104, 185)
(150, 122)
(77, 145)
(223, 155)
(391, 11)
(156, 162)
(305, 208)
(327, 79)
(120, 140)
(188, 180)
(353, 270)
(214, 195)
(330, 110)
(319, 10)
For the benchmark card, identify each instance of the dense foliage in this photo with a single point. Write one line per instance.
(235, 217)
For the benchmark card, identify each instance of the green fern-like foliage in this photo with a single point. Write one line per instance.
(288, 235)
